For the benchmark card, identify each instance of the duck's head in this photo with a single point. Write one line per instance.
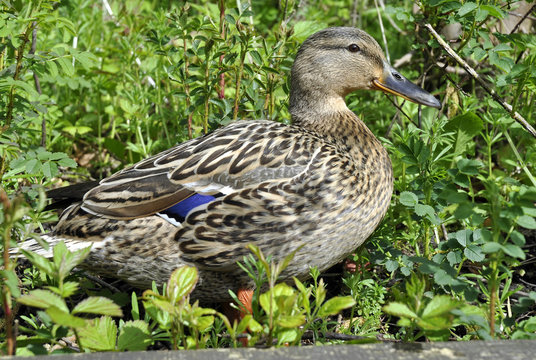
(336, 61)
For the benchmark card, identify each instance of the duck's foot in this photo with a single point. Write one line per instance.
(245, 296)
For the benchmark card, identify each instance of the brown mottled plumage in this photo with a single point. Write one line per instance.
(323, 183)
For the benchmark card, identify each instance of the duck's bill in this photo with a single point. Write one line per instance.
(392, 82)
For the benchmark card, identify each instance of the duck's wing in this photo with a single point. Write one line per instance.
(240, 155)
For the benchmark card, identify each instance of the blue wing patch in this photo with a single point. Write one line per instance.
(181, 210)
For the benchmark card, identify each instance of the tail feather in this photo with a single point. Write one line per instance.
(34, 246)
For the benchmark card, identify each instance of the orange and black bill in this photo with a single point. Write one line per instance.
(392, 82)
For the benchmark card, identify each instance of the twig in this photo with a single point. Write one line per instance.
(391, 21)
(514, 114)
(102, 283)
(523, 19)
(354, 13)
(383, 31)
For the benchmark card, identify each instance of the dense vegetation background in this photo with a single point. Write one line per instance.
(89, 87)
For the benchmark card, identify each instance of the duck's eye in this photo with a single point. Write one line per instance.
(353, 48)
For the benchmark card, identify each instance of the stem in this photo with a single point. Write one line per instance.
(492, 296)
(207, 93)
(6, 293)
(521, 162)
(18, 66)
(78, 341)
(187, 86)
(221, 93)
(239, 80)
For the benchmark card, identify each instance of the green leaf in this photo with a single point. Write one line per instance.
(279, 291)
(469, 167)
(287, 336)
(67, 162)
(98, 305)
(514, 251)
(62, 317)
(66, 260)
(467, 8)
(66, 65)
(391, 265)
(463, 236)
(100, 334)
(425, 210)
(43, 299)
(335, 305)
(181, 283)
(527, 222)
(39, 261)
(302, 29)
(134, 336)
(115, 146)
(400, 310)
(491, 247)
(11, 280)
(254, 326)
(408, 199)
(291, 321)
(68, 289)
(474, 253)
(33, 166)
(493, 10)
(438, 306)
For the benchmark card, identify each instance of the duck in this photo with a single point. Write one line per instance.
(318, 187)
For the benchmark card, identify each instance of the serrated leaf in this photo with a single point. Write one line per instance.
(400, 310)
(181, 283)
(39, 261)
(134, 336)
(43, 299)
(425, 210)
(32, 166)
(66, 65)
(462, 236)
(474, 253)
(66, 260)
(100, 334)
(98, 305)
(62, 317)
(408, 199)
(68, 289)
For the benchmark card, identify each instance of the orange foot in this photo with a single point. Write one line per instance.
(244, 308)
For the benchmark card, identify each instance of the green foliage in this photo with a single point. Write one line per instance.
(174, 313)
(82, 85)
(52, 301)
(283, 312)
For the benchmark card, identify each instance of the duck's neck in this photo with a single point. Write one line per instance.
(329, 117)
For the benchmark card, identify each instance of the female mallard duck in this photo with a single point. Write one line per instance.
(321, 185)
